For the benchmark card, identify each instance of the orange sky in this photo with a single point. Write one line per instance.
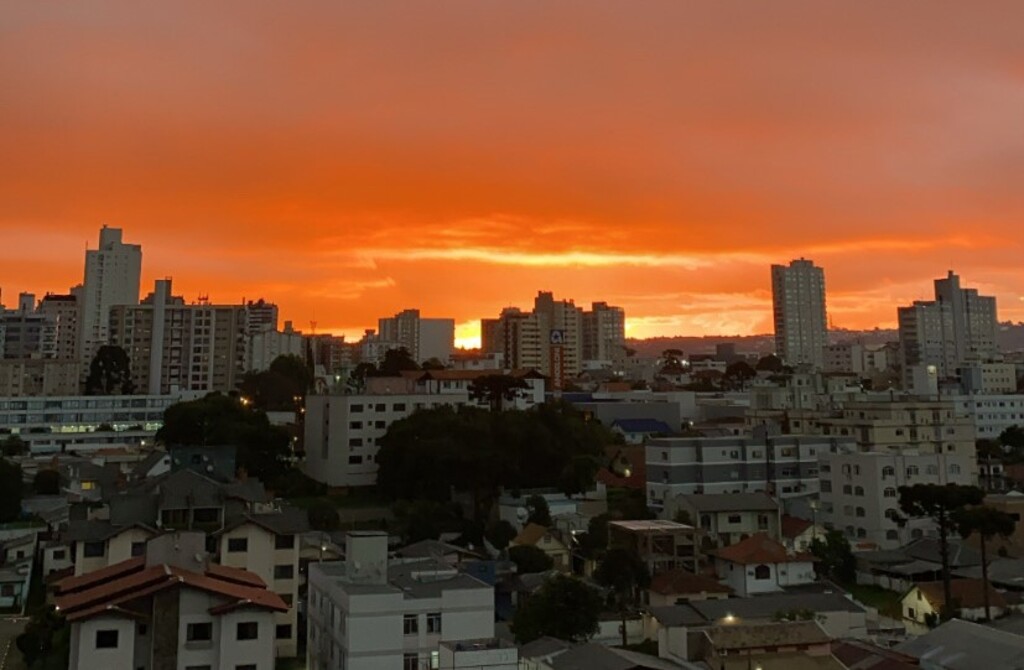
(349, 159)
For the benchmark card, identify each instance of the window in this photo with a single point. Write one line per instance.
(7, 590)
(410, 624)
(891, 535)
(138, 548)
(932, 470)
(59, 555)
(734, 518)
(199, 632)
(237, 545)
(94, 549)
(888, 471)
(912, 471)
(762, 522)
(847, 490)
(198, 667)
(283, 631)
(247, 630)
(858, 491)
(889, 492)
(410, 662)
(954, 469)
(398, 407)
(861, 533)
(355, 425)
(434, 622)
(285, 571)
(284, 542)
(206, 515)
(892, 514)
(355, 409)
(247, 666)
(762, 572)
(355, 442)
(860, 511)
(826, 486)
(355, 460)
(381, 407)
(143, 629)
(106, 639)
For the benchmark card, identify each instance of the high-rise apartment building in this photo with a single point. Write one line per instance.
(24, 331)
(62, 311)
(801, 326)
(604, 333)
(422, 338)
(173, 346)
(112, 274)
(261, 316)
(956, 328)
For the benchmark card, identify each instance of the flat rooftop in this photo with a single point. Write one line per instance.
(650, 525)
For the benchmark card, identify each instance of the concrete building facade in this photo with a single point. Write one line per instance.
(798, 299)
(112, 275)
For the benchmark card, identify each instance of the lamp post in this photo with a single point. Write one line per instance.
(814, 520)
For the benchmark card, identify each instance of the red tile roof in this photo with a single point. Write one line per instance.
(236, 575)
(679, 582)
(792, 526)
(131, 580)
(100, 576)
(759, 548)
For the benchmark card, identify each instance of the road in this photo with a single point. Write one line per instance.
(10, 628)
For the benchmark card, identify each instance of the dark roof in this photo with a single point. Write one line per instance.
(962, 645)
(287, 521)
(927, 549)
(542, 647)
(642, 426)
(766, 606)
(1004, 572)
(680, 581)
(678, 615)
(143, 467)
(759, 548)
(99, 530)
(865, 656)
(433, 549)
(731, 502)
(782, 634)
(595, 656)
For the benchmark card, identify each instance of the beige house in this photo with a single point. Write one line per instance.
(925, 600)
(535, 535)
(670, 587)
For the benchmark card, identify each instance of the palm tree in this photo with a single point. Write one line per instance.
(987, 522)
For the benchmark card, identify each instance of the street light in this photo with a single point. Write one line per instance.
(814, 520)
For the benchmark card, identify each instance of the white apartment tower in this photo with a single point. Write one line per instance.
(801, 326)
(112, 274)
(958, 327)
(422, 338)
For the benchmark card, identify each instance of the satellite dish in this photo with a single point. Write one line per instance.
(522, 514)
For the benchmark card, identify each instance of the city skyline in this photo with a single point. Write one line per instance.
(658, 160)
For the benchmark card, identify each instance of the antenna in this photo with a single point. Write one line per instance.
(312, 327)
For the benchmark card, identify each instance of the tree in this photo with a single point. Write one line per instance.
(594, 542)
(770, 363)
(46, 642)
(672, 362)
(46, 483)
(540, 513)
(110, 372)
(323, 516)
(500, 533)
(281, 388)
(940, 502)
(529, 559)
(563, 607)
(10, 491)
(1013, 438)
(623, 572)
(396, 361)
(433, 363)
(216, 419)
(987, 523)
(835, 558)
(13, 446)
(739, 373)
(495, 390)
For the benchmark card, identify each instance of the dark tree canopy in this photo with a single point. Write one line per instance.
(500, 533)
(12, 445)
(770, 363)
(396, 361)
(835, 557)
(46, 642)
(282, 387)
(46, 483)
(987, 523)
(1012, 437)
(624, 572)
(529, 559)
(323, 516)
(110, 372)
(10, 491)
(564, 608)
(217, 419)
(432, 452)
(496, 390)
(539, 512)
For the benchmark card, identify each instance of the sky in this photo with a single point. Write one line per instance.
(348, 159)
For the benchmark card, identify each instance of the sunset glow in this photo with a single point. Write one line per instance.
(355, 159)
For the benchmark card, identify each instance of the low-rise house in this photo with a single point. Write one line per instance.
(918, 561)
(170, 608)
(371, 612)
(16, 559)
(861, 655)
(923, 602)
(595, 656)
(545, 539)
(661, 545)
(800, 644)
(760, 564)
(672, 586)
(727, 518)
(798, 534)
(1006, 574)
(492, 654)
(964, 645)
(451, 554)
